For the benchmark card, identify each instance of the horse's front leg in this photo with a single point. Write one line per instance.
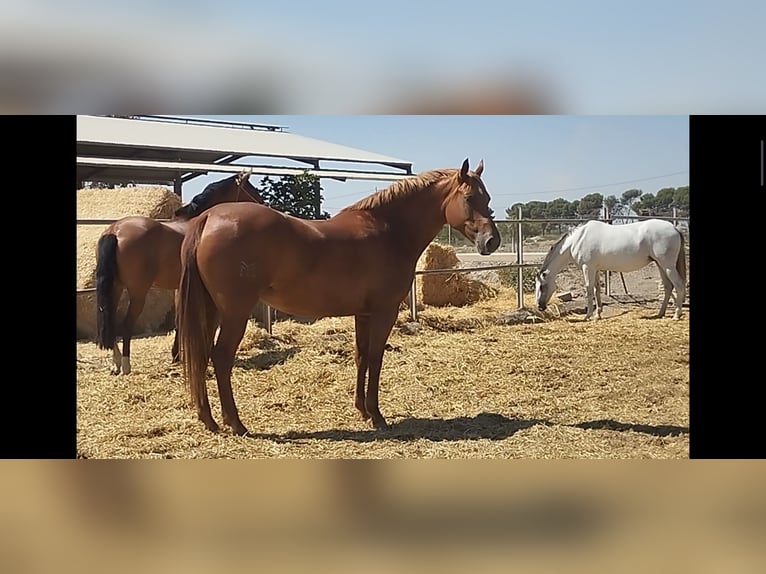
(381, 324)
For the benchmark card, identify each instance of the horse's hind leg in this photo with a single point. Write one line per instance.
(590, 279)
(136, 305)
(361, 357)
(667, 286)
(674, 279)
(597, 287)
(223, 352)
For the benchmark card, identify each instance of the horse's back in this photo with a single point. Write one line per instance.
(148, 251)
(305, 267)
(626, 247)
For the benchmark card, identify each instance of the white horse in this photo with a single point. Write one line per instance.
(596, 246)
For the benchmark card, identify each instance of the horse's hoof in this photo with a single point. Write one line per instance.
(364, 414)
(239, 429)
(380, 424)
(212, 426)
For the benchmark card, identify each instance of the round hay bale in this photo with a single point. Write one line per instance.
(149, 201)
(442, 289)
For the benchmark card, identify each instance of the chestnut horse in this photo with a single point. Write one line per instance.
(136, 253)
(360, 262)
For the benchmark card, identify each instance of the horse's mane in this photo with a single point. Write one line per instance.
(552, 251)
(401, 188)
(201, 201)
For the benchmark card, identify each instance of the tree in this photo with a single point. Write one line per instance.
(681, 200)
(297, 195)
(590, 205)
(560, 208)
(629, 196)
(664, 201)
(647, 205)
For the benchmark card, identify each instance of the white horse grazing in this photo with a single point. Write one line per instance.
(596, 246)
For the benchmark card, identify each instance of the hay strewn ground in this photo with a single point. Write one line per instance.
(463, 386)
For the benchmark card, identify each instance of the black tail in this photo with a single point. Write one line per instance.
(106, 307)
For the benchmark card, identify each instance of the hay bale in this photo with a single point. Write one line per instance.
(442, 289)
(149, 201)
(154, 201)
(158, 315)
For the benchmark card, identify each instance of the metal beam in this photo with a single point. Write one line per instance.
(236, 168)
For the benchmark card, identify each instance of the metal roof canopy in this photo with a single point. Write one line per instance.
(157, 149)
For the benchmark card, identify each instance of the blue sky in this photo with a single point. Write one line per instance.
(525, 157)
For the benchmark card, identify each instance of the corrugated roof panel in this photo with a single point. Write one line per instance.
(165, 135)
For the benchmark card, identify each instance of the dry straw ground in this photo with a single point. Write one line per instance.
(463, 386)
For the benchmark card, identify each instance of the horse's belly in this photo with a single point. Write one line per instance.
(313, 304)
(341, 296)
(622, 263)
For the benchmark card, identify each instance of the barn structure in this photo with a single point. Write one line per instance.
(169, 150)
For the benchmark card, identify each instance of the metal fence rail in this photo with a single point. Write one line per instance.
(520, 265)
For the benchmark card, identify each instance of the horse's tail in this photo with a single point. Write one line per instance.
(106, 306)
(196, 316)
(681, 261)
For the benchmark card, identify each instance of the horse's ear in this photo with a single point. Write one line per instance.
(464, 171)
(479, 168)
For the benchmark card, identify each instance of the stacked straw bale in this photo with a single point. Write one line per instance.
(150, 201)
(442, 289)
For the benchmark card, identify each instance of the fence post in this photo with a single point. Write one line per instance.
(675, 217)
(268, 319)
(607, 273)
(520, 278)
(413, 299)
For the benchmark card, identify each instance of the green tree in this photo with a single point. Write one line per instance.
(647, 205)
(297, 195)
(590, 205)
(681, 200)
(629, 197)
(663, 203)
(560, 208)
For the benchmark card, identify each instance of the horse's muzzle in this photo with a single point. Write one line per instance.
(487, 243)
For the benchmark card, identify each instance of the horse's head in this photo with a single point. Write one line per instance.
(234, 188)
(545, 285)
(468, 211)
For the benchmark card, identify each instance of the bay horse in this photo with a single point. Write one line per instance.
(360, 263)
(597, 246)
(136, 253)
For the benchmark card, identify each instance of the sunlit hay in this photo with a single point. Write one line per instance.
(152, 201)
(155, 201)
(455, 289)
(463, 386)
